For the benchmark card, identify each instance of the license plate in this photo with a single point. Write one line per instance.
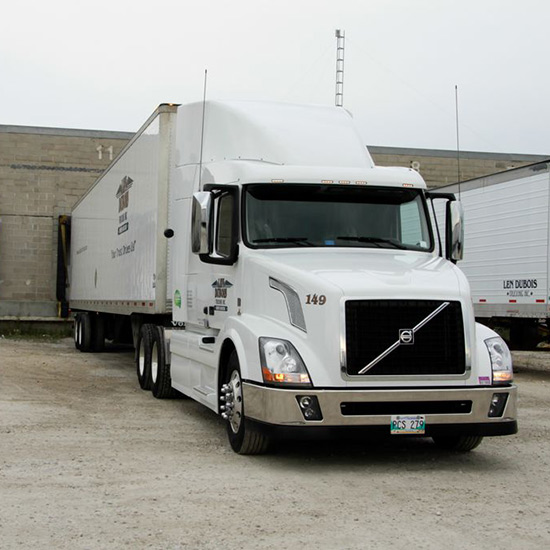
(408, 425)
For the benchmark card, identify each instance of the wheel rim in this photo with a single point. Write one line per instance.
(78, 334)
(235, 401)
(154, 363)
(76, 331)
(141, 360)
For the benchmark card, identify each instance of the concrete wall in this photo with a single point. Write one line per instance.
(43, 172)
(440, 167)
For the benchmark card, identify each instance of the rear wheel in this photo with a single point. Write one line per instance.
(244, 437)
(459, 443)
(161, 381)
(83, 332)
(77, 327)
(143, 356)
(98, 333)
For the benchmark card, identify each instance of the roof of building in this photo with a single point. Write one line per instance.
(66, 132)
(448, 153)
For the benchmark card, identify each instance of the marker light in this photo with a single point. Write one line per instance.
(501, 360)
(281, 363)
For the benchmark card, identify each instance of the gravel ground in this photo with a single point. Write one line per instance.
(88, 460)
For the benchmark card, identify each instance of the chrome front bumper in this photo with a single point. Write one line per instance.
(280, 406)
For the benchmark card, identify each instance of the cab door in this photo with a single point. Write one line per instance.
(214, 283)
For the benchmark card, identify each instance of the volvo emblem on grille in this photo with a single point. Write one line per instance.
(406, 337)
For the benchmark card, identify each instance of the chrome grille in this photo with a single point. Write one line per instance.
(373, 327)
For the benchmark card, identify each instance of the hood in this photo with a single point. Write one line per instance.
(366, 273)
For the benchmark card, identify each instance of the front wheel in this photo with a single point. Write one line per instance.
(459, 443)
(244, 437)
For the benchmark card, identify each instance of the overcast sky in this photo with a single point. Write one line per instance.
(106, 64)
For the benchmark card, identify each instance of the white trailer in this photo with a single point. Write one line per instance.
(507, 259)
(263, 266)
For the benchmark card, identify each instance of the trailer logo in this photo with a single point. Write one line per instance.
(520, 287)
(123, 196)
(220, 287)
(123, 250)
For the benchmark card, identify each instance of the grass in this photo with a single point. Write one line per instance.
(35, 331)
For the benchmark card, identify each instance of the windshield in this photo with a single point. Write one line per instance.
(285, 215)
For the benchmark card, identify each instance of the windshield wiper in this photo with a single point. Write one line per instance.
(298, 240)
(379, 241)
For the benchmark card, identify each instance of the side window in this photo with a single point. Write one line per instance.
(413, 226)
(224, 225)
(410, 224)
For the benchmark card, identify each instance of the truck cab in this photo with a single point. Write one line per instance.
(313, 290)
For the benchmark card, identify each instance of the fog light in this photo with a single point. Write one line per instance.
(498, 403)
(305, 402)
(309, 405)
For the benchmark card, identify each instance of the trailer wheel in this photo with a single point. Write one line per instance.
(77, 327)
(243, 436)
(143, 356)
(459, 443)
(98, 333)
(83, 332)
(161, 381)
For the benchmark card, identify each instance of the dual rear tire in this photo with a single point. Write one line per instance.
(152, 371)
(89, 332)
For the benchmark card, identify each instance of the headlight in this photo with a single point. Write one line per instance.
(281, 363)
(501, 360)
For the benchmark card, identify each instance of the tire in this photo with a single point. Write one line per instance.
(84, 336)
(98, 333)
(459, 443)
(77, 330)
(161, 381)
(244, 437)
(143, 356)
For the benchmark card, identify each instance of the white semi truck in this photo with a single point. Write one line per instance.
(507, 260)
(263, 266)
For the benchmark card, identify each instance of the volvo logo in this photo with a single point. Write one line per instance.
(406, 337)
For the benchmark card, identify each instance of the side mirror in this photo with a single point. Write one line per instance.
(454, 231)
(201, 223)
